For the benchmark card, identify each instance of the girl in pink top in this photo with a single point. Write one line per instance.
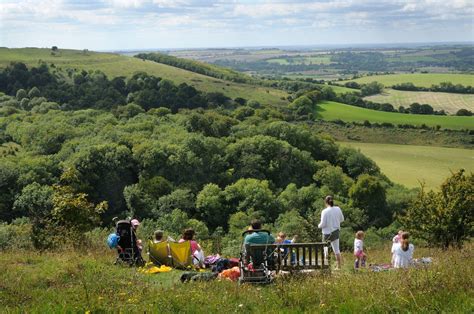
(196, 251)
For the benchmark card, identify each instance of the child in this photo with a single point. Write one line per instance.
(359, 250)
(403, 252)
(281, 239)
(395, 242)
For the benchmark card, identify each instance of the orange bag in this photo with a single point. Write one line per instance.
(231, 274)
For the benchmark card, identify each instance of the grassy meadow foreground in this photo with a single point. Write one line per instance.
(87, 281)
(411, 164)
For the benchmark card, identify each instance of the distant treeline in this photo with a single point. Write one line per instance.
(263, 66)
(445, 87)
(353, 62)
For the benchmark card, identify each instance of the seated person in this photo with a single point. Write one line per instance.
(403, 252)
(281, 239)
(158, 236)
(196, 251)
(257, 237)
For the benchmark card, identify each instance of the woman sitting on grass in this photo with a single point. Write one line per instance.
(403, 252)
(196, 251)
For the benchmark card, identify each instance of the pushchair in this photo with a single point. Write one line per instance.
(257, 261)
(127, 248)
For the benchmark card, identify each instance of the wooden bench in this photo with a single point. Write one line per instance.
(292, 257)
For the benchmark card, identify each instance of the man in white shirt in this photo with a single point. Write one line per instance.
(331, 218)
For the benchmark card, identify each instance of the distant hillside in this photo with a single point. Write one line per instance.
(114, 65)
(198, 67)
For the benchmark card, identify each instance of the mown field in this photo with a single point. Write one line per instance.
(418, 79)
(449, 102)
(410, 164)
(329, 110)
(87, 281)
(114, 65)
(302, 60)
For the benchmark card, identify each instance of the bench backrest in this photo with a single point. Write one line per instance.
(294, 256)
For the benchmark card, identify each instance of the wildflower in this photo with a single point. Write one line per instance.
(241, 305)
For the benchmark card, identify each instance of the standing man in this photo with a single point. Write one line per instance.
(331, 218)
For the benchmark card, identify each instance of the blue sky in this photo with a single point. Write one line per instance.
(142, 24)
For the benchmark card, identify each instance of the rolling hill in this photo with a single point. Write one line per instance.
(114, 65)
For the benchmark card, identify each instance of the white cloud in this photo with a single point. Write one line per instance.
(126, 3)
(237, 17)
(170, 3)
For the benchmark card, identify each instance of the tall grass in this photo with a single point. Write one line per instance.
(76, 281)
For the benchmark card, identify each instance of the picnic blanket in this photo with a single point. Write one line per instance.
(380, 267)
(417, 262)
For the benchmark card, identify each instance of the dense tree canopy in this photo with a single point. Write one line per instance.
(144, 148)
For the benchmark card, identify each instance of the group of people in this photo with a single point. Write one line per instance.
(331, 219)
(188, 235)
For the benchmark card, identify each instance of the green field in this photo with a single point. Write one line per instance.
(118, 65)
(448, 102)
(329, 110)
(409, 164)
(418, 79)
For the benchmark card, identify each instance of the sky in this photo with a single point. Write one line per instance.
(161, 24)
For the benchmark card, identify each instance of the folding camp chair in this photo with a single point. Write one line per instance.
(159, 253)
(181, 254)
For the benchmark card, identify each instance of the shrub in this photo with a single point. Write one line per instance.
(16, 235)
(446, 217)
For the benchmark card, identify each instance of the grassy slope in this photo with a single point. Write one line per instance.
(449, 102)
(419, 79)
(342, 90)
(357, 133)
(73, 282)
(329, 110)
(410, 164)
(117, 65)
